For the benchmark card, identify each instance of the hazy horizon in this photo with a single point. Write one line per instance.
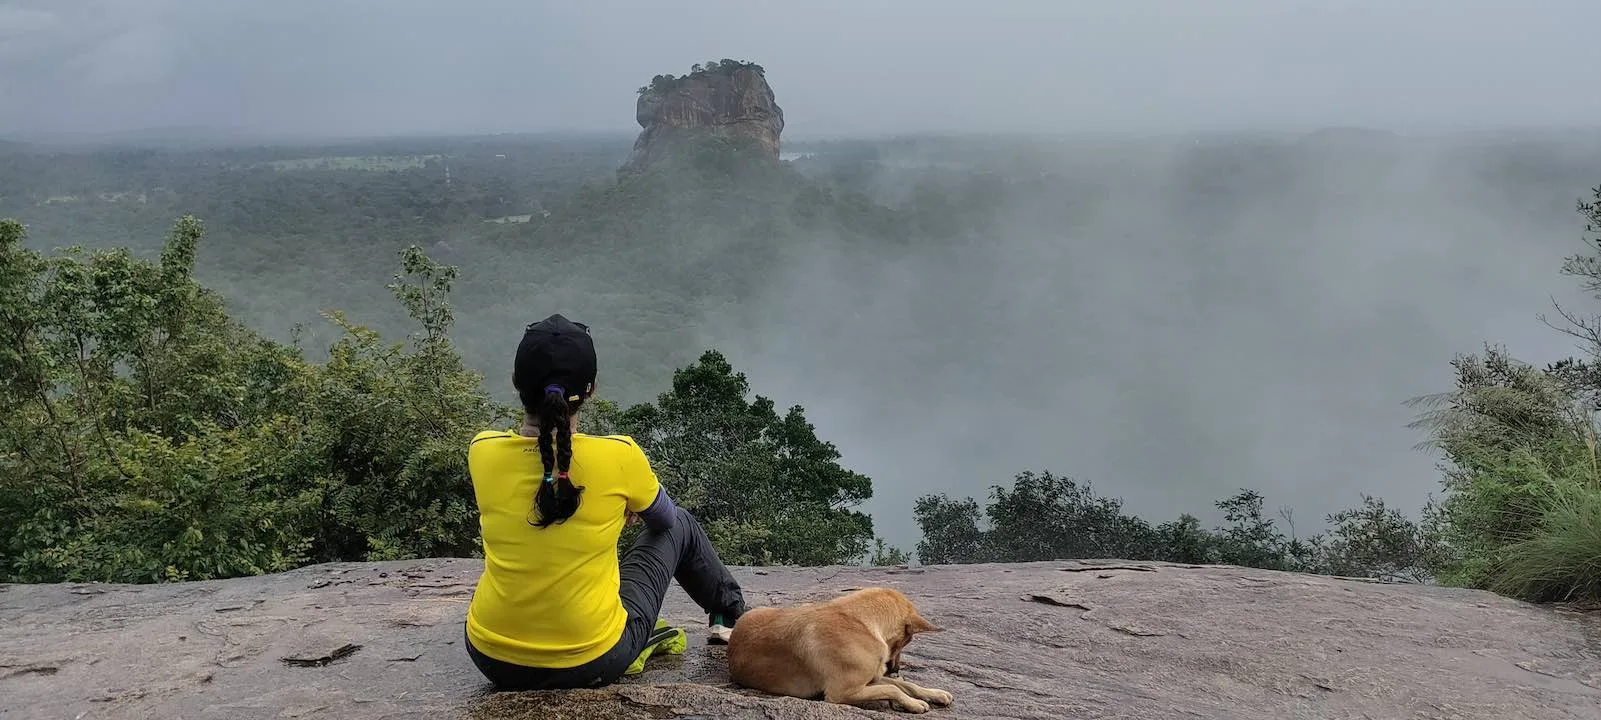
(365, 68)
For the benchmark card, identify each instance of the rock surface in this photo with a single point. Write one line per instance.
(1044, 640)
(732, 104)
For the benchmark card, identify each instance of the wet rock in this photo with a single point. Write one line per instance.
(1044, 640)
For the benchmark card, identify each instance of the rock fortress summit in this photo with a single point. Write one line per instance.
(727, 99)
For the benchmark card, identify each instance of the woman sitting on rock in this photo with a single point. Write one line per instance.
(555, 608)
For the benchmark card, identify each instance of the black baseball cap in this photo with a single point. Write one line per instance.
(554, 351)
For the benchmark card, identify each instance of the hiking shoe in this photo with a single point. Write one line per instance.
(665, 640)
(717, 629)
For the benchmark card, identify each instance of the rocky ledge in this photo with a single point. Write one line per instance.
(1044, 640)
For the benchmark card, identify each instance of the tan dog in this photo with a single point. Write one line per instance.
(845, 650)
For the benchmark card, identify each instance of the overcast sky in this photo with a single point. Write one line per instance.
(406, 66)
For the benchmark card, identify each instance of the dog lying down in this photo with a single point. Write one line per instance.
(846, 650)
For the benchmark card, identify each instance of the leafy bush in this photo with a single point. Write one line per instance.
(147, 436)
(1561, 558)
(1045, 516)
(131, 422)
(1375, 540)
(1520, 450)
(1522, 508)
(393, 422)
(766, 488)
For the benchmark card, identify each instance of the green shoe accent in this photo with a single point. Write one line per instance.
(665, 639)
(716, 628)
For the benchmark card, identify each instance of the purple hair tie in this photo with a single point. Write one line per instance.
(557, 389)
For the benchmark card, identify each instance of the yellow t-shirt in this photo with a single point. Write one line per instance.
(548, 596)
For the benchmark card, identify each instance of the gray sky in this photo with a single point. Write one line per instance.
(383, 66)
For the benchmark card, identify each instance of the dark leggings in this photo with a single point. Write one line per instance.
(647, 567)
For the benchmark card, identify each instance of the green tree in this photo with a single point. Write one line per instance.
(768, 490)
(1042, 516)
(390, 420)
(135, 430)
(1377, 541)
(1049, 517)
(1185, 541)
(145, 435)
(1046, 517)
(1250, 539)
(950, 529)
(884, 554)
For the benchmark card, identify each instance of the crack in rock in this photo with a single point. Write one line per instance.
(1137, 631)
(1056, 602)
(30, 670)
(319, 658)
(1092, 568)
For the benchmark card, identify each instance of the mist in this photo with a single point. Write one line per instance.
(1177, 333)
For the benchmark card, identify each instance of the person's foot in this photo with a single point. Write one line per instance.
(718, 628)
(664, 640)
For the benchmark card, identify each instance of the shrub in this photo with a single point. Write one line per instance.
(1561, 558)
(147, 436)
(768, 490)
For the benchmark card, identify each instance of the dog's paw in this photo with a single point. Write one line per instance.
(937, 697)
(912, 705)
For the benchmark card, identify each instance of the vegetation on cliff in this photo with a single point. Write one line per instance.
(663, 84)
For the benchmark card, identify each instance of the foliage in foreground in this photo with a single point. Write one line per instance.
(146, 436)
(766, 488)
(1522, 510)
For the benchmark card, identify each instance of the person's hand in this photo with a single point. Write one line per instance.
(630, 518)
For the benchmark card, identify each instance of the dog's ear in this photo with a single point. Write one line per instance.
(917, 624)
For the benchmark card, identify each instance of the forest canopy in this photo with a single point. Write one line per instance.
(662, 84)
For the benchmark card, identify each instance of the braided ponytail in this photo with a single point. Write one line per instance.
(557, 498)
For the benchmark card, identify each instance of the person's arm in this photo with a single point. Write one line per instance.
(661, 513)
(647, 498)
